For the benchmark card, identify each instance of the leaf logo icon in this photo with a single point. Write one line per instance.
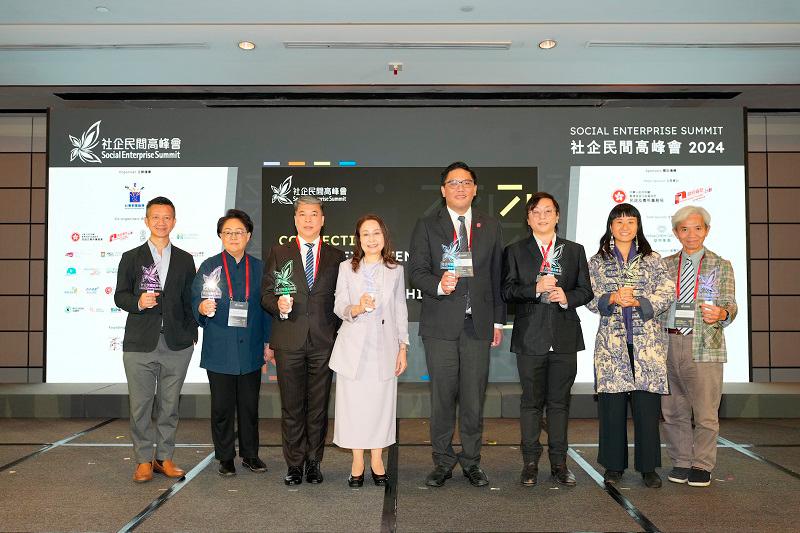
(82, 148)
(280, 194)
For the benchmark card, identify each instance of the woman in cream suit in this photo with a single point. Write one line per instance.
(370, 349)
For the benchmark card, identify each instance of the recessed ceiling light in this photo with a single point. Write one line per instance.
(547, 44)
(247, 45)
(102, 9)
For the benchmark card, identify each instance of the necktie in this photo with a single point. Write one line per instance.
(686, 291)
(310, 264)
(463, 246)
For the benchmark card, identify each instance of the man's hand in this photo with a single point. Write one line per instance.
(285, 304)
(449, 282)
(269, 354)
(497, 338)
(207, 307)
(148, 300)
(556, 295)
(546, 284)
(713, 313)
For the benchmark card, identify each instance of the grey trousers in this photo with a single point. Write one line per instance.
(159, 373)
(459, 372)
(695, 388)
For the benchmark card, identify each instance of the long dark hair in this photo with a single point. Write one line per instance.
(387, 254)
(624, 210)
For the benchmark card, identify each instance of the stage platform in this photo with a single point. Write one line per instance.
(74, 474)
(93, 400)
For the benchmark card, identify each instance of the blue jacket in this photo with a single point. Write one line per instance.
(228, 350)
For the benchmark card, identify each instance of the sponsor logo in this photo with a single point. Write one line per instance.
(86, 237)
(619, 196)
(71, 271)
(75, 237)
(121, 236)
(116, 310)
(186, 236)
(71, 290)
(692, 195)
(109, 290)
(111, 270)
(82, 148)
(115, 344)
(110, 254)
(280, 194)
(91, 290)
(70, 309)
(134, 196)
(92, 271)
(69, 254)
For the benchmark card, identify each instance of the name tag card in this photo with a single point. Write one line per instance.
(684, 315)
(237, 315)
(464, 265)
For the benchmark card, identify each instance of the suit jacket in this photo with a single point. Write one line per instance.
(442, 316)
(539, 326)
(174, 308)
(354, 336)
(708, 340)
(312, 315)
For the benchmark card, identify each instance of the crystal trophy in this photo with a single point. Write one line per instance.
(450, 254)
(631, 272)
(211, 290)
(551, 268)
(150, 281)
(284, 286)
(708, 289)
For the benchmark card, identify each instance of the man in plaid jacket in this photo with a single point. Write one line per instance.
(705, 304)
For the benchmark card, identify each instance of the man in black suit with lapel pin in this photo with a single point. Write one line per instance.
(547, 277)
(303, 331)
(154, 285)
(462, 317)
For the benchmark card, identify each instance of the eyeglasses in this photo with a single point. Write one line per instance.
(227, 234)
(453, 184)
(547, 213)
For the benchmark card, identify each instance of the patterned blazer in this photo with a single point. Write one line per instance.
(612, 367)
(708, 340)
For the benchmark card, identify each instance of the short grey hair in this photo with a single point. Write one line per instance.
(308, 200)
(685, 212)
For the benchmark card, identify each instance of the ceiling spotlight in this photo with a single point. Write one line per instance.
(547, 44)
(247, 45)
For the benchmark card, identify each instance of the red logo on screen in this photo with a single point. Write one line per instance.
(619, 196)
(69, 254)
(108, 290)
(76, 236)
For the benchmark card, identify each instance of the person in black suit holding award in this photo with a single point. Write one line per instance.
(456, 261)
(154, 285)
(298, 290)
(547, 277)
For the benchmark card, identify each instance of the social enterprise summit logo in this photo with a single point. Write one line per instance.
(82, 148)
(280, 194)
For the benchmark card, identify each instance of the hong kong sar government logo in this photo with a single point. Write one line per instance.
(82, 148)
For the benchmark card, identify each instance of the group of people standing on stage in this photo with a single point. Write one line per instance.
(659, 346)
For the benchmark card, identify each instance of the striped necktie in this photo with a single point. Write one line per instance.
(686, 291)
(310, 264)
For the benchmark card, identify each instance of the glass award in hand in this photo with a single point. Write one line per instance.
(284, 286)
(211, 290)
(632, 272)
(708, 289)
(150, 281)
(551, 266)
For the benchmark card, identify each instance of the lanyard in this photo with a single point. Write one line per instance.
(246, 277)
(545, 253)
(316, 262)
(697, 276)
(469, 243)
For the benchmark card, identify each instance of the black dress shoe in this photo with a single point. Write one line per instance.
(226, 468)
(313, 472)
(612, 477)
(379, 479)
(651, 480)
(294, 476)
(254, 464)
(562, 475)
(438, 476)
(529, 474)
(356, 481)
(476, 476)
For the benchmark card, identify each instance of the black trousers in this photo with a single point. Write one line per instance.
(613, 413)
(459, 372)
(304, 380)
(546, 382)
(234, 398)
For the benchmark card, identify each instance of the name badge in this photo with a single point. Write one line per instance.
(237, 315)
(684, 315)
(463, 265)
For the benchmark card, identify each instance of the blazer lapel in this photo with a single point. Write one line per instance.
(535, 254)
(446, 225)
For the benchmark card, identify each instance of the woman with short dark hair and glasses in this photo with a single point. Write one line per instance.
(226, 304)
(631, 288)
